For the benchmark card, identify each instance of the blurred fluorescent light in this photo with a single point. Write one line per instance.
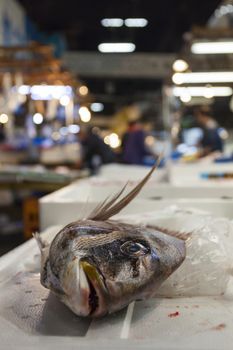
(116, 47)
(74, 128)
(65, 100)
(83, 90)
(206, 91)
(45, 92)
(24, 90)
(38, 118)
(185, 97)
(212, 47)
(4, 118)
(180, 66)
(97, 107)
(85, 114)
(136, 22)
(112, 140)
(112, 22)
(202, 77)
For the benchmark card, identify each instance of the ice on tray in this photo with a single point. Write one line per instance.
(207, 268)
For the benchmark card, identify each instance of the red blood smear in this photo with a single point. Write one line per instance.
(174, 314)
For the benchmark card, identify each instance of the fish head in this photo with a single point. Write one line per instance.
(107, 271)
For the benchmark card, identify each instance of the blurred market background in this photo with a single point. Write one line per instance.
(90, 83)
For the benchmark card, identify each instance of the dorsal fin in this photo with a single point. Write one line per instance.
(184, 236)
(109, 208)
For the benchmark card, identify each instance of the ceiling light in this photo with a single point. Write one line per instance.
(38, 118)
(45, 92)
(112, 140)
(4, 118)
(185, 96)
(202, 77)
(136, 22)
(212, 47)
(74, 128)
(64, 100)
(24, 89)
(180, 66)
(112, 22)
(116, 47)
(83, 90)
(85, 114)
(205, 91)
(97, 107)
(208, 93)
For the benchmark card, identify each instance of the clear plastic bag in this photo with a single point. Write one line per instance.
(207, 268)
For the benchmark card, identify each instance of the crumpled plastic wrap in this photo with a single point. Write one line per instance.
(208, 266)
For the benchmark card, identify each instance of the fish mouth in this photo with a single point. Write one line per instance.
(97, 289)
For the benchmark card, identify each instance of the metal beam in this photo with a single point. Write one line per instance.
(137, 65)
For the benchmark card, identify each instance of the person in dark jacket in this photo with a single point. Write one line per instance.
(211, 140)
(95, 151)
(133, 144)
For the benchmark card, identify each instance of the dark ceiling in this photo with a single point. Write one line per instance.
(79, 20)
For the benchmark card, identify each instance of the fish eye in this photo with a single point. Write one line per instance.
(134, 249)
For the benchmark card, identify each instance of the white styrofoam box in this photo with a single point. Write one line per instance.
(79, 199)
(31, 317)
(70, 152)
(123, 172)
(190, 174)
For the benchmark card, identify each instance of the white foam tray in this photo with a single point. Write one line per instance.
(32, 318)
(190, 174)
(78, 199)
(124, 172)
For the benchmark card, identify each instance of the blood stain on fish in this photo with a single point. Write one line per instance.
(174, 314)
(28, 291)
(219, 327)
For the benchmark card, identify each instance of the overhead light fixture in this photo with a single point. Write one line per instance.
(185, 96)
(136, 22)
(73, 128)
(97, 107)
(83, 90)
(4, 118)
(202, 77)
(65, 100)
(116, 47)
(85, 114)
(45, 92)
(112, 140)
(38, 118)
(206, 91)
(112, 22)
(212, 47)
(180, 66)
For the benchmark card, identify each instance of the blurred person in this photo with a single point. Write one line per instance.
(133, 144)
(95, 151)
(211, 140)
